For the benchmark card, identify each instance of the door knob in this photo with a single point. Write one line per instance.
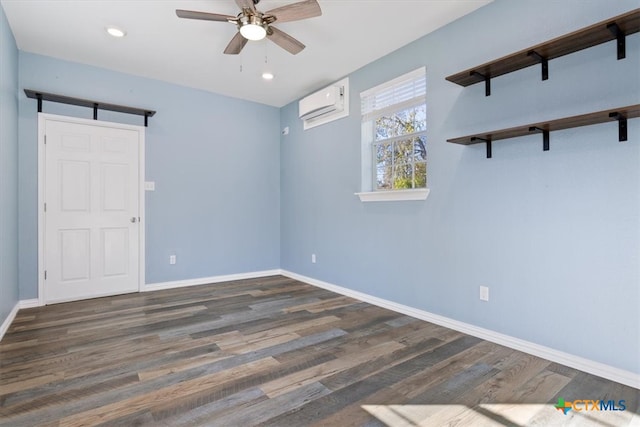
(133, 219)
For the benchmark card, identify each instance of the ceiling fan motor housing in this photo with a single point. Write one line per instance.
(252, 19)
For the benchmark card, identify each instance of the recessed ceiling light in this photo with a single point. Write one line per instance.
(116, 32)
(267, 76)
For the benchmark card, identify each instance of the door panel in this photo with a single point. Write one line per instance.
(115, 251)
(91, 188)
(114, 190)
(75, 255)
(74, 180)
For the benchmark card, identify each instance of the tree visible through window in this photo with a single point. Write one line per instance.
(396, 114)
(400, 150)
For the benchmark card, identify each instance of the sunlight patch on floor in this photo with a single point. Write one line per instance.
(497, 414)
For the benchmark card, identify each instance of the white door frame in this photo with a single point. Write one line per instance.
(42, 118)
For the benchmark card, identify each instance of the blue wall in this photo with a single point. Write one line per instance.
(555, 235)
(8, 169)
(214, 160)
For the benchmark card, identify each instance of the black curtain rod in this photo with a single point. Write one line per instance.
(44, 96)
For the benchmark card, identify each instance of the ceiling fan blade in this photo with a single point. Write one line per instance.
(190, 14)
(246, 4)
(296, 11)
(285, 41)
(236, 44)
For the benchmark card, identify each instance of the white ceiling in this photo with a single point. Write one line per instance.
(159, 45)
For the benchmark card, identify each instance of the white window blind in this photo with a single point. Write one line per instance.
(398, 94)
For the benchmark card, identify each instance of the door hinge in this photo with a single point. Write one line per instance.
(45, 139)
(45, 207)
(45, 275)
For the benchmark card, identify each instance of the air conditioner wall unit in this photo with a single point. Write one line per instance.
(324, 101)
(325, 105)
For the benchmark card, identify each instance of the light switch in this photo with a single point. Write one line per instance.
(150, 186)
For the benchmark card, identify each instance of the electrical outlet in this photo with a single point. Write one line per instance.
(484, 293)
(313, 258)
(172, 259)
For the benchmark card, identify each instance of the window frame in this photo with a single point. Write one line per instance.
(401, 93)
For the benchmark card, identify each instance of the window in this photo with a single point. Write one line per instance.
(394, 128)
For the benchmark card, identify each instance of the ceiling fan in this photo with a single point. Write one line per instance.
(255, 25)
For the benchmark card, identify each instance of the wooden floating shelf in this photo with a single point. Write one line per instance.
(44, 96)
(617, 114)
(612, 29)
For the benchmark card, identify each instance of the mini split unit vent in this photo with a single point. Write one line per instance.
(323, 102)
(325, 105)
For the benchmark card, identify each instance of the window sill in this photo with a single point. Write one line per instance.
(394, 195)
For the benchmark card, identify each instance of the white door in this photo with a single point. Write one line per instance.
(91, 219)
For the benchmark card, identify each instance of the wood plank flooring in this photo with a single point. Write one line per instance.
(275, 352)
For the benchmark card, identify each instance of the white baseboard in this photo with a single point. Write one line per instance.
(596, 368)
(208, 280)
(7, 322)
(25, 303)
(29, 303)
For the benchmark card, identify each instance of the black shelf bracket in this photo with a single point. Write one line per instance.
(620, 38)
(544, 61)
(487, 82)
(622, 125)
(487, 141)
(545, 136)
(44, 96)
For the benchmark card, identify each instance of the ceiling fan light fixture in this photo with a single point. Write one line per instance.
(252, 28)
(253, 32)
(267, 75)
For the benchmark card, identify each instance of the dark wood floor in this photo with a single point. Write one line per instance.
(276, 352)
